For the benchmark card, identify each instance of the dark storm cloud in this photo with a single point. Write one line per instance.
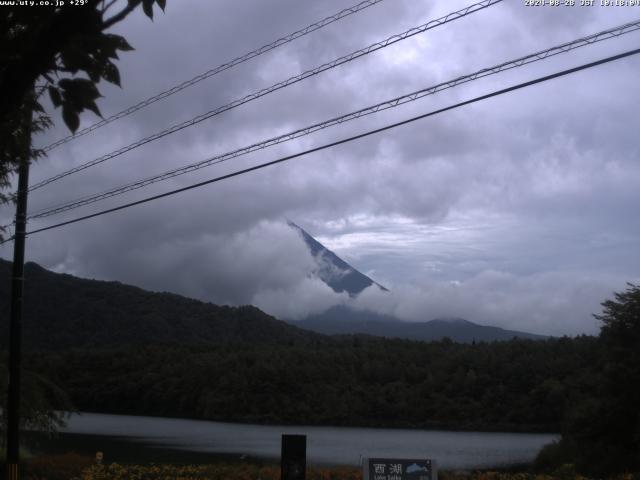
(516, 211)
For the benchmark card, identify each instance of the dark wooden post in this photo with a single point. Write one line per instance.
(15, 325)
(293, 460)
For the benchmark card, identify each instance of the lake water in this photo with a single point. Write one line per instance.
(325, 445)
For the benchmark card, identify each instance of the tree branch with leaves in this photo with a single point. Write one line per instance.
(64, 51)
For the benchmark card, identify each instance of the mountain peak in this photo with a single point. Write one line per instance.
(332, 270)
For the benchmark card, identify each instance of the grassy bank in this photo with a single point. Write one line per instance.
(73, 466)
(250, 472)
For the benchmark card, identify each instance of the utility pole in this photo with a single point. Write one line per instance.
(15, 325)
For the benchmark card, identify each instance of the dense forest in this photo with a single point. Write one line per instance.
(516, 385)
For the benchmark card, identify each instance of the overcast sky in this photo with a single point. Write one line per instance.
(520, 211)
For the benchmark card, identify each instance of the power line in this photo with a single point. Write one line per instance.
(339, 142)
(285, 83)
(388, 104)
(214, 71)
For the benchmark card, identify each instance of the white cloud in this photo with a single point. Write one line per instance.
(307, 297)
(549, 303)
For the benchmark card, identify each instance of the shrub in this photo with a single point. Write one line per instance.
(57, 467)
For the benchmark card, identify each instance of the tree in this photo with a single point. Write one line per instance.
(602, 426)
(620, 403)
(63, 52)
(44, 404)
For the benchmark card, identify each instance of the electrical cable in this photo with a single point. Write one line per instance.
(339, 142)
(265, 91)
(388, 104)
(214, 71)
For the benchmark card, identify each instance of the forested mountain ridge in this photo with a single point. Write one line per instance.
(342, 320)
(120, 349)
(62, 311)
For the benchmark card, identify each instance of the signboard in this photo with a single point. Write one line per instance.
(399, 469)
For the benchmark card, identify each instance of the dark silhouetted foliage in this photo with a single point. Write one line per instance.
(490, 386)
(604, 429)
(601, 430)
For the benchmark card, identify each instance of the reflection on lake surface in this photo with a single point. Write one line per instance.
(325, 445)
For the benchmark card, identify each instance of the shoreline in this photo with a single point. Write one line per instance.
(427, 426)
